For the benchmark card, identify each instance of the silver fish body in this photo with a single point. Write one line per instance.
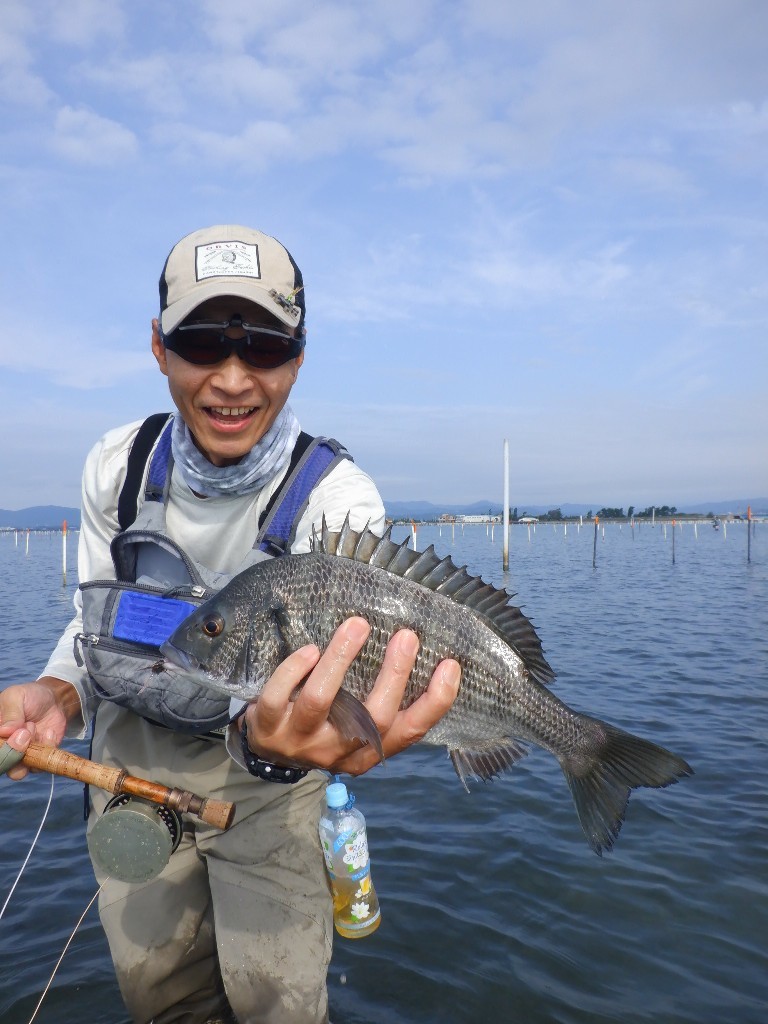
(235, 641)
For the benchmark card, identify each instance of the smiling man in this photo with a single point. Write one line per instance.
(238, 924)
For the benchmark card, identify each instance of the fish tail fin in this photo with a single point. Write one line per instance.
(603, 773)
(353, 720)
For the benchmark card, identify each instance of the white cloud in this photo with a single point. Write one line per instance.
(83, 137)
(20, 86)
(253, 148)
(656, 176)
(82, 23)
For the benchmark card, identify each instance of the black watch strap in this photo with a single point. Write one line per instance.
(265, 769)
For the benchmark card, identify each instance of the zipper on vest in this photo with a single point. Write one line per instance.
(180, 590)
(132, 647)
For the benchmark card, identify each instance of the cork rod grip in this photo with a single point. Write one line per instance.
(115, 780)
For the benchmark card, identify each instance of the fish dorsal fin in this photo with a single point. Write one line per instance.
(444, 577)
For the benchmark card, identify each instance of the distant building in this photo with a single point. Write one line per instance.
(527, 519)
(447, 517)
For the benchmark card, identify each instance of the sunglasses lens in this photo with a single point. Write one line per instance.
(265, 351)
(203, 348)
(206, 346)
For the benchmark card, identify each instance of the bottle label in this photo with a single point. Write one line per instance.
(348, 855)
(362, 918)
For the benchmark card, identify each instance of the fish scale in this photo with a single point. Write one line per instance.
(236, 640)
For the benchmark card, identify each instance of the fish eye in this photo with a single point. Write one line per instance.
(213, 626)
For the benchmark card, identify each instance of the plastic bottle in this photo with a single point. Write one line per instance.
(345, 847)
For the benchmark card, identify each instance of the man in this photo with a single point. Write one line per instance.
(238, 925)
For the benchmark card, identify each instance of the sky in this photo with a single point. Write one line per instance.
(543, 221)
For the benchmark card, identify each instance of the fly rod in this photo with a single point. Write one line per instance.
(117, 780)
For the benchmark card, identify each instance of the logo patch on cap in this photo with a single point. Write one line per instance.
(226, 259)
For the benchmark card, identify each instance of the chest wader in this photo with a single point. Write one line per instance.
(157, 584)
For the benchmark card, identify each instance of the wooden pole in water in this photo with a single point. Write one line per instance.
(673, 542)
(594, 545)
(505, 540)
(64, 553)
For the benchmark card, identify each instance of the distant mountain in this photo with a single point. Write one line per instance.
(425, 510)
(738, 506)
(40, 517)
(47, 517)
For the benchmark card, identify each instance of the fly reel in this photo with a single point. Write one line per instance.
(133, 839)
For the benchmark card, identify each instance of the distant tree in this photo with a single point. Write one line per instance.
(661, 510)
(554, 515)
(630, 511)
(611, 513)
(589, 514)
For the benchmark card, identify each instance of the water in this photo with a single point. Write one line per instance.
(493, 907)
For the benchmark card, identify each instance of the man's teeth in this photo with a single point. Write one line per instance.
(241, 410)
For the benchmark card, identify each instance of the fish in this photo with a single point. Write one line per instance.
(235, 640)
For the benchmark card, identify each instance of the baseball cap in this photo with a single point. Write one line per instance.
(229, 259)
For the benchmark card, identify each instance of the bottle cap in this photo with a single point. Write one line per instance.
(336, 795)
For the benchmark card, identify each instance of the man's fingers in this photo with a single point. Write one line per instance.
(386, 696)
(311, 707)
(410, 725)
(273, 699)
(413, 723)
(18, 740)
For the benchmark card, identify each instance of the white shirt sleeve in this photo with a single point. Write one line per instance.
(103, 477)
(345, 490)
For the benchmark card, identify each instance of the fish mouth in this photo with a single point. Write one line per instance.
(181, 659)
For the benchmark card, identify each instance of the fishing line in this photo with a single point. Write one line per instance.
(26, 859)
(63, 953)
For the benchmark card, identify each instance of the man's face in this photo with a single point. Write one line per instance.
(228, 407)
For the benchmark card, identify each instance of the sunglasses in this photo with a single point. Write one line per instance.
(207, 344)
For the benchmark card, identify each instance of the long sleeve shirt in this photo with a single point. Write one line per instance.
(216, 532)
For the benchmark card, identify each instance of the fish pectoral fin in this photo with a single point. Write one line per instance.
(282, 624)
(487, 761)
(353, 720)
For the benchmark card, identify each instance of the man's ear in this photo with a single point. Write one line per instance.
(158, 348)
(296, 364)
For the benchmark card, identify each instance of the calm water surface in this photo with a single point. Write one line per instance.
(494, 908)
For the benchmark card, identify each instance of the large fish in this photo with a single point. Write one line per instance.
(236, 639)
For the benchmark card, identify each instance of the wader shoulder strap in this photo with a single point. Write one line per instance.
(148, 433)
(312, 459)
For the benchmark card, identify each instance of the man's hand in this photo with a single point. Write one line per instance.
(298, 731)
(36, 711)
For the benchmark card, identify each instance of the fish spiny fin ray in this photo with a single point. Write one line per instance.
(486, 762)
(444, 577)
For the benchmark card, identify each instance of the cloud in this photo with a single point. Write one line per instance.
(253, 148)
(82, 23)
(83, 137)
(20, 86)
(654, 176)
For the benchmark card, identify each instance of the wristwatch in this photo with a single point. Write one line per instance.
(266, 770)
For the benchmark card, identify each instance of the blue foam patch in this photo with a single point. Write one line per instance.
(149, 619)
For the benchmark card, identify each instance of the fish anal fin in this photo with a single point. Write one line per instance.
(353, 720)
(487, 761)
